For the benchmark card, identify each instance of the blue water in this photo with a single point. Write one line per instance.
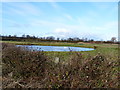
(55, 48)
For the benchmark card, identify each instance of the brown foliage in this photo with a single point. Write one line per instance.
(22, 62)
(32, 69)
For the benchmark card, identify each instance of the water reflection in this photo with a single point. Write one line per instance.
(55, 48)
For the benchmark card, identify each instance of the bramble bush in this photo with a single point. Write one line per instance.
(23, 63)
(36, 70)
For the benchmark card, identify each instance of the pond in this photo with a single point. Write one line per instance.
(55, 48)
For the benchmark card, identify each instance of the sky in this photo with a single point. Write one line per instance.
(92, 20)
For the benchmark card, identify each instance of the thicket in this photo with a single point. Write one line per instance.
(23, 68)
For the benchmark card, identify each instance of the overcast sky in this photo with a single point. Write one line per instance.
(94, 20)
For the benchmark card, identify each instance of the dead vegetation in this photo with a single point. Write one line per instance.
(23, 68)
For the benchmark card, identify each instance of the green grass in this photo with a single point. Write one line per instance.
(108, 50)
(52, 44)
(87, 45)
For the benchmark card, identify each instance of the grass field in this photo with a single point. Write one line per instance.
(84, 69)
(109, 50)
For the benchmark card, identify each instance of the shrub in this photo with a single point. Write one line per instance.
(22, 62)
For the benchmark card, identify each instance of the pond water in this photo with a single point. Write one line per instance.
(55, 48)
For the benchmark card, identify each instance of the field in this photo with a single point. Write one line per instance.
(109, 50)
(86, 69)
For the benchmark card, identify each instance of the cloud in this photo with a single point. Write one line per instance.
(16, 11)
(108, 27)
(14, 24)
(55, 5)
(18, 25)
(61, 30)
(66, 33)
(69, 17)
(82, 28)
(23, 9)
(36, 22)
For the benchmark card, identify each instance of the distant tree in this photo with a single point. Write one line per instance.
(33, 37)
(9, 36)
(70, 39)
(15, 36)
(28, 36)
(91, 40)
(58, 39)
(76, 39)
(85, 39)
(50, 38)
(113, 39)
(23, 35)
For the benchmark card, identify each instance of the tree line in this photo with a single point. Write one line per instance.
(52, 39)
